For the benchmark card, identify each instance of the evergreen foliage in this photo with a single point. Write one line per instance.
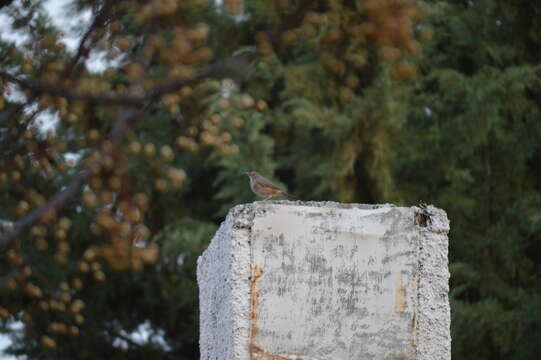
(471, 146)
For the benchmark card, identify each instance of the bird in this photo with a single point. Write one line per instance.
(263, 187)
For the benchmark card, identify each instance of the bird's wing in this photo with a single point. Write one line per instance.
(267, 183)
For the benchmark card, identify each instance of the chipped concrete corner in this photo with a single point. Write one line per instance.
(326, 281)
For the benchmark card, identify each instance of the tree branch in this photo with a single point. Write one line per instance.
(133, 344)
(82, 49)
(70, 94)
(127, 117)
(290, 21)
(62, 197)
(228, 68)
(222, 69)
(56, 202)
(5, 3)
(8, 114)
(10, 275)
(7, 142)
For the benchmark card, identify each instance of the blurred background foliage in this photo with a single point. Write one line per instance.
(356, 101)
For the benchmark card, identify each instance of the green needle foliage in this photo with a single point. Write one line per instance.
(471, 146)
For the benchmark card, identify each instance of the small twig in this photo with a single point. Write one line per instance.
(216, 71)
(290, 21)
(8, 114)
(64, 196)
(70, 94)
(10, 275)
(5, 3)
(56, 202)
(82, 49)
(127, 339)
(22, 125)
(126, 119)
(116, 333)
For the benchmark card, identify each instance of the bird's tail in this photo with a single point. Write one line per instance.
(289, 196)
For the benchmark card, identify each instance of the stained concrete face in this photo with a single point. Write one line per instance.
(292, 280)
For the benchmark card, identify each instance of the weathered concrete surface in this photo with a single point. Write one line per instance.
(298, 280)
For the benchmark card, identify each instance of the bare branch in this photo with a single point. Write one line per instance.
(61, 198)
(70, 94)
(228, 68)
(291, 21)
(8, 139)
(10, 275)
(56, 202)
(8, 114)
(128, 115)
(219, 70)
(5, 3)
(83, 49)
(114, 333)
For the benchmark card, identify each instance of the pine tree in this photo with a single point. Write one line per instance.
(333, 97)
(471, 146)
(104, 216)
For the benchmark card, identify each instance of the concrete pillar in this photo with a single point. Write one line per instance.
(326, 281)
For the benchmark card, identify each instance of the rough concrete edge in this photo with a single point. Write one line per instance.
(332, 204)
(204, 266)
(433, 320)
(236, 230)
(242, 218)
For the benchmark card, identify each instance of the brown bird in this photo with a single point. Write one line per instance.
(263, 187)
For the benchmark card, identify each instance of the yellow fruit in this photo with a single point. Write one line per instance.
(38, 230)
(149, 149)
(135, 147)
(83, 267)
(4, 313)
(22, 208)
(261, 105)
(96, 266)
(77, 283)
(33, 291)
(79, 319)
(64, 286)
(44, 305)
(60, 234)
(77, 306)
(160, 184)
(65, 297)
(247, 101)
(72, 118)
(11, 285)
(99, 276)
(64, 223)
(95, 183)
(48, 342)
(41, 244)
(167, 153)
(58, 327)
(141, 200)
(150, 254)
(93, 134)
(27, 271)
(74, 331)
